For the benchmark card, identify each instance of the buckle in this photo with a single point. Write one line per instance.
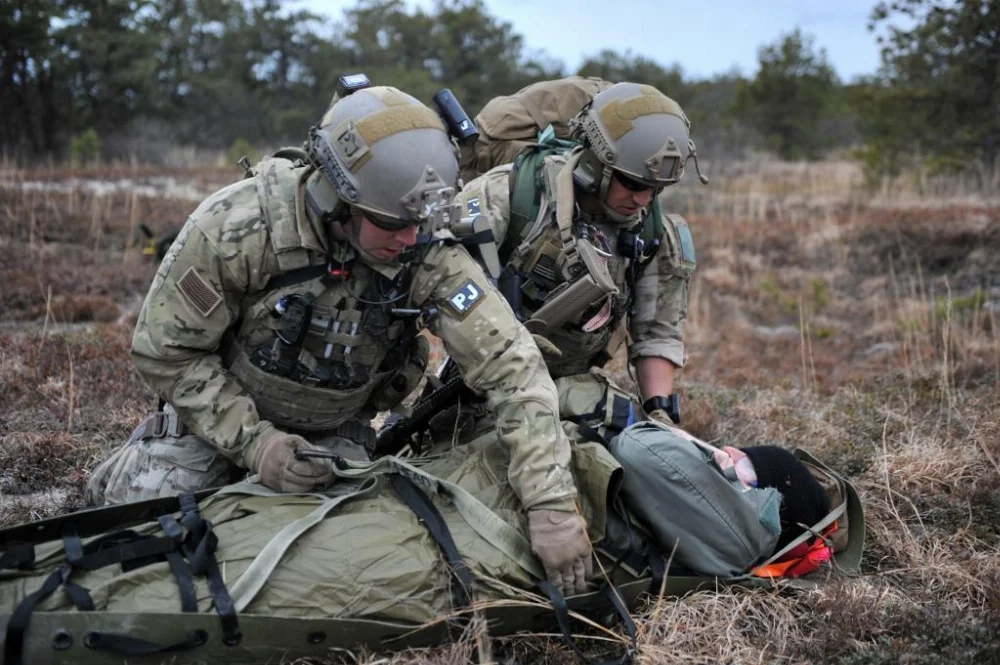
(153, 427)
(160, 425)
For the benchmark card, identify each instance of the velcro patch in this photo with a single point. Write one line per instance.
(198, 293)
(465, 299)
(687, 241)
(472, 207)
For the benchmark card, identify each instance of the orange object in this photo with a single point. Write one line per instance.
(802, 559)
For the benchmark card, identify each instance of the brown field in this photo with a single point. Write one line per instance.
(859, 325)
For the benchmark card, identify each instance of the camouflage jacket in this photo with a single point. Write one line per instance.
(209, 324)
(653, 308)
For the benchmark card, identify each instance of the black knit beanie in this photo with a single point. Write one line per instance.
(803, 499)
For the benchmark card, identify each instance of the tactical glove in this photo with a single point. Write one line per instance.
(279, 469)
(662, 416)
(559, 538)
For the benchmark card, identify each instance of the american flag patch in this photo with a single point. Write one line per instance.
(198, 292)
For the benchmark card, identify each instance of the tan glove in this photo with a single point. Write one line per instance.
(661, 416)
(559, 538)
(279, 469)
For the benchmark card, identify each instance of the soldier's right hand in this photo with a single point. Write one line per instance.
(279, 469)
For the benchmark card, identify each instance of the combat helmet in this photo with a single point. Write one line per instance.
(636, 131)
(383, 152)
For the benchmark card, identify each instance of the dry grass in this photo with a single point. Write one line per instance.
(859, 325)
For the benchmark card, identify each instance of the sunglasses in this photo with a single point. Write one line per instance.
(388, 223)
(631, 184)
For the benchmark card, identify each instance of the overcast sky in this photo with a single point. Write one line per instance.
(705, 37)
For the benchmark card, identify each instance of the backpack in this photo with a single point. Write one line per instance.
(523, 129)
(525, 193)
(510, 123)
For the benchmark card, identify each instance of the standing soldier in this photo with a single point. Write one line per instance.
(287, 312)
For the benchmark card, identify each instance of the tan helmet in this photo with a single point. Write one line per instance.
(638, 131)
(387, 154)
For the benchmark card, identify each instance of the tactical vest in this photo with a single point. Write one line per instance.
(325, 341)
(575, 285)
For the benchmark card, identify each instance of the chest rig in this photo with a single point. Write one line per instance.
(328, 338)
(337, 330)
(567, 277)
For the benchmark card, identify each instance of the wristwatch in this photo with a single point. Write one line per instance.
(671, 405)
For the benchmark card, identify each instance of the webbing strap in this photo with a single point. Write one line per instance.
(565, 199)
(428, 515)
(561, 609)
(74, 554)
(622, 416)
(484, 521)
(121, 547)
(178, 566)
(200, 551)
(245, 589)
(17, 625)
(131, 549)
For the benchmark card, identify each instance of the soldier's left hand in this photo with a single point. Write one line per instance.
(661, 416)
(559, 538)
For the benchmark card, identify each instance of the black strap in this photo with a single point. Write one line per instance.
(128, 548)
(17, 625)
(74, 554)
(561, 608)
(178, 566)
(132, 550)
(429, 516)
(94, 521)
(658, 570)
(199, 548)
(132, 646)
(622, 413)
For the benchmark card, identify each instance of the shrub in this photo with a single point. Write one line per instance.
(85, 147)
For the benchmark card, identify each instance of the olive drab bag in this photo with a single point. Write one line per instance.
(510, 123)
(242, 573)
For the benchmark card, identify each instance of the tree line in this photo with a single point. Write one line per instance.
(131, 77)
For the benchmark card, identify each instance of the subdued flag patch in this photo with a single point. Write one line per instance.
(198, 292)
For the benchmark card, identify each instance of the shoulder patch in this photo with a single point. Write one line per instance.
(198, 292)
(684, 237)
(473, 207)
(687, 243)
(466, 298)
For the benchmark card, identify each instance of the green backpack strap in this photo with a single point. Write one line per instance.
(652, 224)
(526, 186)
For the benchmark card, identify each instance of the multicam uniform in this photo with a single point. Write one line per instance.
(217, 339)
(647, 295)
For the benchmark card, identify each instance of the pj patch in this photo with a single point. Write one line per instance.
(466, 298)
